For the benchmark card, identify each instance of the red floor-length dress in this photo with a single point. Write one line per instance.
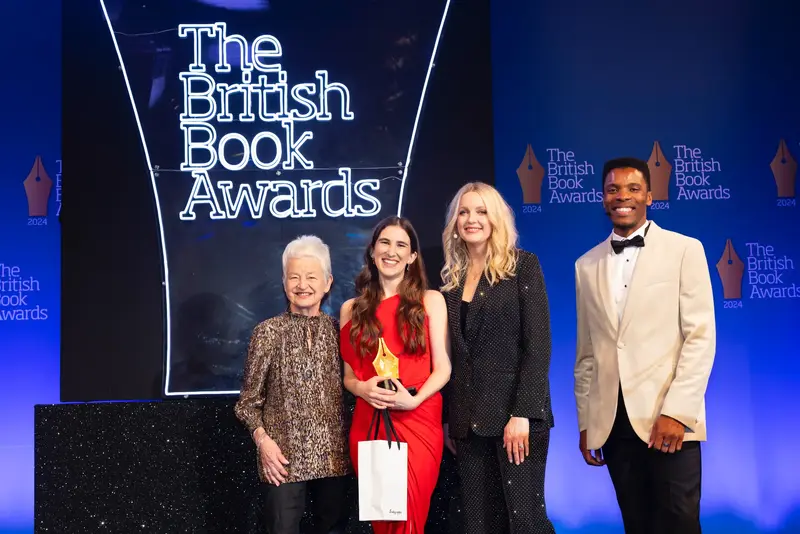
(421, 428)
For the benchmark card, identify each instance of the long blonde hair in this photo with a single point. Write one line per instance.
(501, 253)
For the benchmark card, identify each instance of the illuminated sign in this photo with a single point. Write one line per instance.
(262, 94)
(246, 85)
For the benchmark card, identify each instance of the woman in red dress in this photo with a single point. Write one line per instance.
(394, 304)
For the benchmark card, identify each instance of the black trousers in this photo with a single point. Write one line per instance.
(285, 505)
(500, 497)
(657, 492)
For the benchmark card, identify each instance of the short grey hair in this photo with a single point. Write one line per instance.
(308, 246)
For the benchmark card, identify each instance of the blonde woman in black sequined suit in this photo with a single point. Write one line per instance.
(498, 401)
(292, 399)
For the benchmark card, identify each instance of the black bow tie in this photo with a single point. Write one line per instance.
(619, 246)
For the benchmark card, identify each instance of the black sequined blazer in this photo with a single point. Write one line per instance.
(501, 366)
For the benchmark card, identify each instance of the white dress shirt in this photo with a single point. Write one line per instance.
(620, 269)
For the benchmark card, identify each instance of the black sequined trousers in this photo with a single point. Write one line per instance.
(500, 497)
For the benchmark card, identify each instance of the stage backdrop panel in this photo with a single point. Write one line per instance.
(224, 274)
(30, 241)
(259, 122)
(707, 92)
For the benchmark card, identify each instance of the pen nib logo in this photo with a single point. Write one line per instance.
(660, 171)
(37, 188)
(784, 169)
(531, 174)
(731, 269)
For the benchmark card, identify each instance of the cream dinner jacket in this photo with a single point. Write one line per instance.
(661, 351)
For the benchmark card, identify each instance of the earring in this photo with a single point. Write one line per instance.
(455, 235)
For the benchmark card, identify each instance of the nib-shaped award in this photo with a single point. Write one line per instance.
(731, 270)
(386, 364)
(660, 170)
(259, 124)
(784, 169)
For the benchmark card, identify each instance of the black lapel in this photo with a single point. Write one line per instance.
(476, 306)
(453, 299)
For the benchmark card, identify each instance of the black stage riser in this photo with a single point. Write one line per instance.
(167, 467)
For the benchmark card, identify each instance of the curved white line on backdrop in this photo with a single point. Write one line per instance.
(419, 108)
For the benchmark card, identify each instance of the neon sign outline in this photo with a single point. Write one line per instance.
(152, 171)
(199, 126)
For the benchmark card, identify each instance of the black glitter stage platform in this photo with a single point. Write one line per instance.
(177, 466)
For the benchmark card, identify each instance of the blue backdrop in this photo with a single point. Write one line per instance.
(29, 244)
(715, 84)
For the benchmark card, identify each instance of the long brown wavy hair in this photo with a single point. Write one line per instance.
(365, 329)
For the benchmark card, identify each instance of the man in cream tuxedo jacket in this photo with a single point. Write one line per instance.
(646, 344)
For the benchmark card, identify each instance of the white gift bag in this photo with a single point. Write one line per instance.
(382, 474)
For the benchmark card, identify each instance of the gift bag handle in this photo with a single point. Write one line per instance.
(387, 424)
(375, 416)
(390, 430)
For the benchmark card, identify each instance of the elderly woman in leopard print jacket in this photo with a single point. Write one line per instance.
(292, 400)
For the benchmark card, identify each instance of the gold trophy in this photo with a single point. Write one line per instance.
(386, 364)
